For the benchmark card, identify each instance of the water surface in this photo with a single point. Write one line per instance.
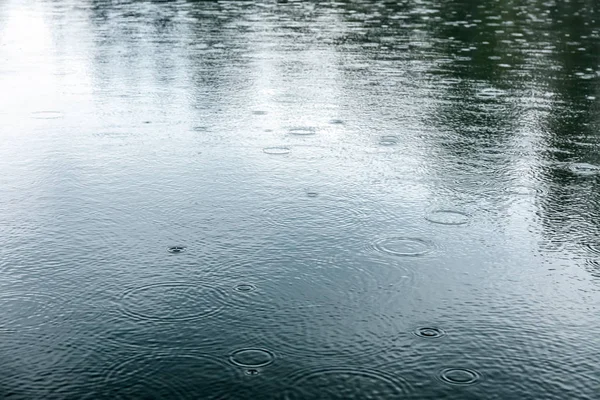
(299, 200)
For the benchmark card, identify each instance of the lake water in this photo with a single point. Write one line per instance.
(299, 200)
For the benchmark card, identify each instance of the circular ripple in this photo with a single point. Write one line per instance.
(459, 376)
(403, 246)
(321, 214)
(176, 249)
(170, 376)
(303, 131)
(430, 333)
(336, 121)
(388, 140)
(46, 114)
(244, 287)
(312, 194)
(317, 329)
(279, 150)
(297, 312)
(584, 169)
(447, 217)
(259, 112)
(19, 311)
(347, 383)
(172, 301)
(252, 358)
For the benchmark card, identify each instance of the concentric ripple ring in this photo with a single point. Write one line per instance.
(172, 301)
(277, 150)
(460, 376)
(343, 383)
(447, 217)
(252, 357)
(403, 246)
(428, 332)
(170, 376)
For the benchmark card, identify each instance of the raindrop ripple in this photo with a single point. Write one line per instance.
(252, 358)
(348, 383)
(303, 131)
(448, 217)
(322, 213)
(429, 333)
(176, 249)
(170, 376)
(23, 311)
(460, 376)
(403, 246)
(244, 287)
(277, 150)
(172, 301)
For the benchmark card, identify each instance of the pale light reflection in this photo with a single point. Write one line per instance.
(26, 42)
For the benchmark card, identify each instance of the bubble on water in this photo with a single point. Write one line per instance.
(176, 249)
(172, 301)
(336, 121)
(252, 358)
(252, 371)
(448, 217)
(460, 376)
(277, 150)
(403, 246)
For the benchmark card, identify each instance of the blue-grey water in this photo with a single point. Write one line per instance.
(299, 200)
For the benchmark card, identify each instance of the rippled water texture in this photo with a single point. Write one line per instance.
(281, 199)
